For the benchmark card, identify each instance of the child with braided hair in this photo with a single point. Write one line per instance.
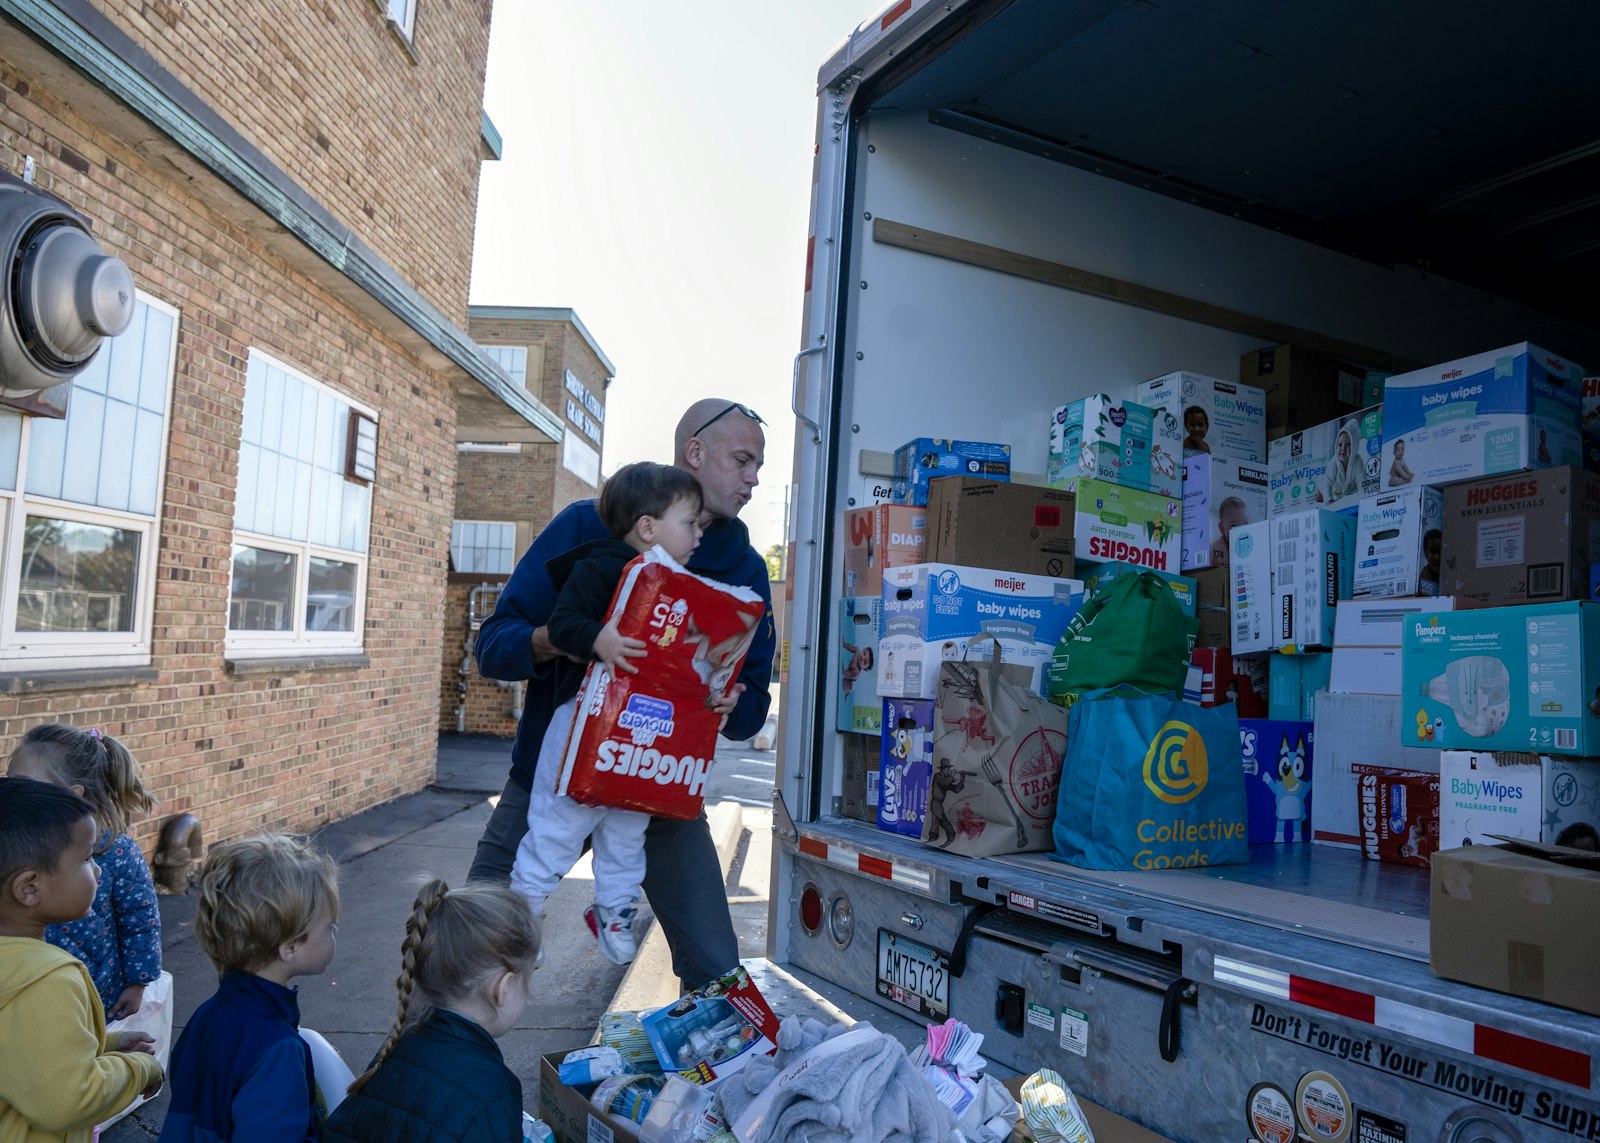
(463, 984)
(119, 942)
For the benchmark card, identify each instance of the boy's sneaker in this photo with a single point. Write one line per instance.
(613, 928)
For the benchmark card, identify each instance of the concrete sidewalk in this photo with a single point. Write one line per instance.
(383, 855)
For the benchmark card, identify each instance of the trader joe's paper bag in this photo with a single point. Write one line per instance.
(996, 763)
(645, 742)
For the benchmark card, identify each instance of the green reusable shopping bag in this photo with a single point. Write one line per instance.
(1132, 633)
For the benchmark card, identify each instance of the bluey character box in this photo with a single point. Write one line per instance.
(860, 617)
(1535, 797)
(1399, 541)
(918, 461)
(1503, 678)
(1219, 493)
(1100, 438)
(1500, 411)
(1118, 523)
(1277, 780)
(1330, 465)
(1216, 415)
(905, 767)
(931, 612)
(1096, 576)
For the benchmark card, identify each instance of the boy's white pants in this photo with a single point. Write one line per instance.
(557, 826)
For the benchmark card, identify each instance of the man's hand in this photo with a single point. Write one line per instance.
(723, 704)
(128, 1003)
(136, 1042)
(544, 650)
(614, 649)
(155, 1087)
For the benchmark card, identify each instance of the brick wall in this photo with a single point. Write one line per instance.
(241, 752)
(488, 704)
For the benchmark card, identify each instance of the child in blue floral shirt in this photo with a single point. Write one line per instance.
(120, 940)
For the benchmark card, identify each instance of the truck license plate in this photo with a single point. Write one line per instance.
(913, 974)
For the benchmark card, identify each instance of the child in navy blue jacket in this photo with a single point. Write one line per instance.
(268, 912)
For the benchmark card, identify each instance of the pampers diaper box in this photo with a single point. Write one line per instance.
(1500, 411)
(1535, 797)
(1219, 493)
(1399, 538)
(931, 612)
(918, 461)
(1503, 678)
(1117, 523)
(1277, 780)
(1216, 415)
(1099, 438)
(1330, 465)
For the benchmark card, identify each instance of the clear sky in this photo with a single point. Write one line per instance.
(656, 179)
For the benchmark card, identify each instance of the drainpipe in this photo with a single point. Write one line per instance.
(179, 850)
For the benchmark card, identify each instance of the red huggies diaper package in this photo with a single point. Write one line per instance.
(645, 742)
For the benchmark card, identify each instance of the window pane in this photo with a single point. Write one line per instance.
(262, 596)
(146, 463)
(157, 360)
(80, 481)
(47, 452)
(10, 447)
(116, 457)
(125, 356)
(77, 577)
(331, 598)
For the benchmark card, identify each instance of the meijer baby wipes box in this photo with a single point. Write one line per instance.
(1500, 411)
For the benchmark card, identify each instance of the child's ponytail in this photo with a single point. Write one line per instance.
(112, 780)
(125, 790)
(428, 899)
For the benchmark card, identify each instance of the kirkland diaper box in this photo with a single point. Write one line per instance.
(1007, 527)
(882, 536)
(1357, 730)
(1277, 780)
(1504, 678)
(1096, 576)
(1117, 523)
(1215, 415)
(1399, 540)
(1529, 537)
(1219, 493)
(1500, 411)
(1101, 438)
(860, 617)
(1532, 796)
(919, 461)
(932, 611)
(1289, 575)
(905, 767)
(1330, 465)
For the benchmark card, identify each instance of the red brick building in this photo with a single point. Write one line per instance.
(232, 551)
(507, 490)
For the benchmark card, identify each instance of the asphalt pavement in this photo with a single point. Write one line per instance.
(386, 852)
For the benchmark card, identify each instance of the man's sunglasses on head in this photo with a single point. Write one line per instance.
(745, 409)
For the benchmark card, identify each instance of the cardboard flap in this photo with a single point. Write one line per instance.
(1563, 854)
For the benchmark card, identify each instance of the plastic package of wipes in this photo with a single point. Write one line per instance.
(645, 741)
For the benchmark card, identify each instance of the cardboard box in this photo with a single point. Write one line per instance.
(1532, 796)
(1102, 438)
(878, 537)
(1524, 538)
(1277, 779)
(1399, 541)
(1097, 575)
(1326, 466)
(932, 611)
(1355, 730)
(905, 765)
(1293, 682)
(919, 461)
(860, 621)
(1517, 923)
(1216, 676)
(858, 795)
(1366, 641)
(569, 1114)
(1590, 407)
(1287, 589)
(1211, 588)
(1117, 523)
(1108, 1126)
(1501, 411)
(1008, 527)
(1219, 493)
(1505, 678)
(1232, 420)
(1302, 387)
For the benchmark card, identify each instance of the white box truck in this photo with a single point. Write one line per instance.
(1017, 204)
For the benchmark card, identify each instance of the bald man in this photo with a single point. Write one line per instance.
(721, 443)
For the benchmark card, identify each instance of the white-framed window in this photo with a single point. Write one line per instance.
(80, 501)
(404, 15)
(513, 359)
(483, 547)
(300, 526)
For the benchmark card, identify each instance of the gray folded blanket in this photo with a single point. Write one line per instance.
(869, 1096)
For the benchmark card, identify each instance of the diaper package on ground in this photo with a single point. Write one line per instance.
(645, 742)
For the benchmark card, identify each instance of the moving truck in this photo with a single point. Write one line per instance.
(1019, 204)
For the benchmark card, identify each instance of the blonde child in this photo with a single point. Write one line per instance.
(120, 939)
(465, 966)
(268, 912)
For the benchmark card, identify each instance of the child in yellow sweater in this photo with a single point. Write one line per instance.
(58, 1076)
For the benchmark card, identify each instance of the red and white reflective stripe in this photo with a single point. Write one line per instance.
(857, 862)
(1481, 1040)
